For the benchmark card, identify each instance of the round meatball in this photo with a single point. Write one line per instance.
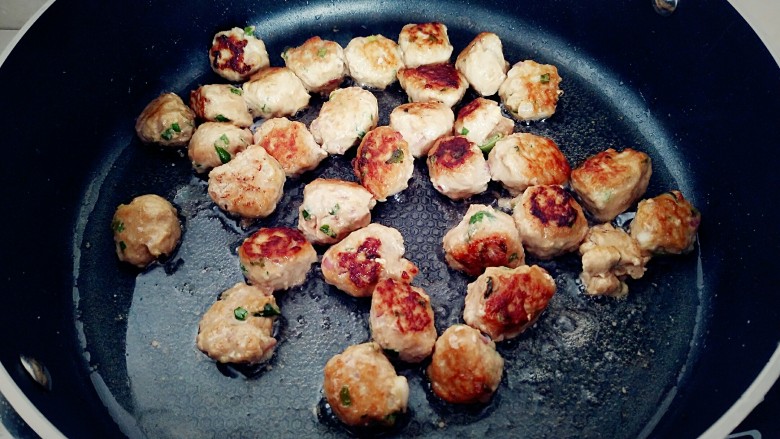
(320, 64)
(531, 90)
(383, 163)
(481, 122)
(457, 167)
(482, 63)
(275, 92)
(236, 54)
(666, 224)
(550, 221)
(277, 258)
(362, 388)
(145, 229)
(485, 237)
(609, 256)
(401, 320)
(465, 367)
(220, 103)
(332, 209)
(503, 302)
(291, 144)
(373, 61)
(425, 43)
(433, 83)
(521, 160)
(215, 143)
(238, 327)
(166, 121)
(250, 185)
(421, 123)
(344, 119)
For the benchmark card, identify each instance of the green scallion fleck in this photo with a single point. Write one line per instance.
(122, 246)
(371, 38)
(490, 143)
(479, 216)
(489, 287)
(396, 157)
(243, 268)
(361, 134)
(221, 118)
(512, 257)
(167, 134)
(240, 313)
(322, 52)
(175, 126)
(390, 419)
(224, 155)
(544, 79)
(306, 215)
(326, 230)
(335, 209)
(268, 311)
(464, 131)
(117, 226)
(249, 30)
(236, 91)
(344, 397)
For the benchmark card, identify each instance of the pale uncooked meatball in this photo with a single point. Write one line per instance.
(166, 121)
(238, 327)
(383, 163)
(145, 230)
(550, 221)
(250, 185)
(277, 258)
(433, 83)
(503, 302)
(291, 144)
(332, 209)
(401, 320)
(357, 263)
(485, 237)
(457, 167)
(481, 122)
(609, 182)
(373, 61)
(275, 92)
(215, 143)
(425, 43)
(344, 119)
(362, 388)
(221, 103)
(666, 224)
(522, 159)
(465, 367)
(531, 90)
(421, 123)
(609, 257)
(320, 64)
(236, 54)
(482, 63)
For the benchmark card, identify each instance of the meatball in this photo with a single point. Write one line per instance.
(220, 103)
(320, 64)
(433, 82)
(356, 264)
(465, 367)
(421, 123)
(609, 256)
(425, 43)
(145, 229)
(291, 144)
(503, 302)
(238, 327)
(332, 209)
(250, 185)
(457, 167)
(481, 122)
(609, 182)
(484, 238)
(275, 92)
(166, 121)
(383, 163)
(236, 54)
(276, 258)
(666, 224)
(482, 63)
(344, 119)
(362, 388)
(550, 221)
(401, 320)
(521, 160)
(373, 61)
(215, 143)
(530, 90)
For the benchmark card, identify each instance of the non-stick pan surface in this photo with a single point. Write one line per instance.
(661, 361)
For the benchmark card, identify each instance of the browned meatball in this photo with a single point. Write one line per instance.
(433, 83)
(383, 163)
(220, 103)
(531, 90)
(425, 43)
(216, 143)
(609, 256)
(457, 167)
(522, 159)
(291, 144)
(277, 258)
(236, 54)
(145, 229)
(166, 121)
(666, 224)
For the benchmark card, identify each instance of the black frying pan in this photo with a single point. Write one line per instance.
(119, 344)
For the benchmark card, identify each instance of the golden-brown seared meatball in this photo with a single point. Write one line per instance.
(357, 263)
(421, 123)
(220, 103)
(277, 258)
(373, 61)
(457, 167)
(484, 238)
(465, 367)
(215, 143)
(425, 43)
(531, 90)
(344, 119)
(521, 160)
(609, 256)
(236, 54)
(238, 327)
(250, 185)
(609, 182)
(503, 302)
(481, 122)
(482, 63)
(383, 163)
(291, 144)
(433, 83)
(320, 64)
(145, 229)
(666, 224)
(166, 121)
(362, 388)
(332, 209)
(275, 92)
(550, 221)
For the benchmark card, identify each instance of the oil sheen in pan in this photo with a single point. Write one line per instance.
(588, 368)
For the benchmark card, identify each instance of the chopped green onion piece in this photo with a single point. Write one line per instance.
(240, 313)
(390, 419)
(221, 118)
(396, 157)
(479, 216)
(243, 269)
(371, 38)
(335, 209)
(512, 257)
(117, 226)
(544, 79)
(224, 155)
(344, 397)
(268, 311)
(490, 143)
(326, 230)
(224, 139)
(249, 30)
(306, 215)
(284, 53)
(361, 134)
(489, 287)
(236, 91)
(322, 52)
(122, 246)
(464, 131)
(175, 126)
(167, 134)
